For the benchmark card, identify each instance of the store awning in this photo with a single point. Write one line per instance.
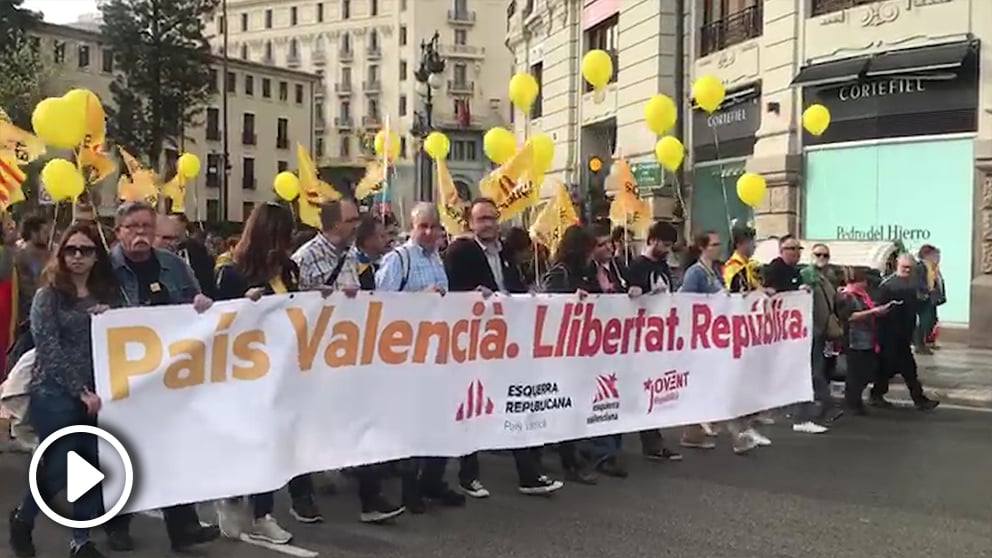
(949, 56)
(835, 71)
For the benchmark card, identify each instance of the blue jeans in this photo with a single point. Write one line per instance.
(601, 448)
(49, 413)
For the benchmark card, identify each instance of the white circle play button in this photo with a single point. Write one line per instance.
(81, 476)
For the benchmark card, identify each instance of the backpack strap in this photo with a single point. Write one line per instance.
(404, 256)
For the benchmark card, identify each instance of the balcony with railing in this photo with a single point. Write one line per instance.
(456, 87)
(319, 57)
(343, 89)
(821, 7)
(731, 30)
(282, 143)
(372, 86)
(343, 122)
(462, 51)
(293, 60)
(461, 17)
(346, 55)
(371, 121)
(373, 52)
(248, 138)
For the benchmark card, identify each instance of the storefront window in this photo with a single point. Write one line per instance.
(714, 203)
(915, 192)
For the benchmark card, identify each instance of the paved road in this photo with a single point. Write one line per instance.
(899, 484)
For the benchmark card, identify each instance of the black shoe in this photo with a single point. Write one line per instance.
(85, 550)
(21, 541)
(446, 497)
(415, 505)
(927, 404)
(120, 540)
(880, 402)
(542, 486)
(194, 535)
(612, 468)
(581, 476)
(305, 511)
(379, 510)
(857, 409)
(664, 454)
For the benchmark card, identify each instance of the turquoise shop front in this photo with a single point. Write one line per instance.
(897, 162)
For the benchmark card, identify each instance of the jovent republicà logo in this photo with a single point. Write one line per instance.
(606, 403)
(666, 388)
(476, 403)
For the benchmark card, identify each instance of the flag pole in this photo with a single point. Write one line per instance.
(387, 139)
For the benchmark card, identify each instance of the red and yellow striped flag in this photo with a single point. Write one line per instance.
(11, 179)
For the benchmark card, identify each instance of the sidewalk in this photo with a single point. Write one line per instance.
(955, 375)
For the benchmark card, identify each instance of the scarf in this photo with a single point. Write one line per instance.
(734, 265)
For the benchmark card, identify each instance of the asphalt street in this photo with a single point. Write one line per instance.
(897, 484)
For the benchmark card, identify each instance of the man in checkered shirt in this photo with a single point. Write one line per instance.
(326, 262)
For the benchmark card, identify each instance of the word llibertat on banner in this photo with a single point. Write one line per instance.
(250, 394)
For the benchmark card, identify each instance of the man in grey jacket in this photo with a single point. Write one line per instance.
(152, 277)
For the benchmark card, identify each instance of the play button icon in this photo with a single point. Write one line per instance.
(81, 476)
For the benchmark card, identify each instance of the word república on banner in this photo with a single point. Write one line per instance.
(334, 337)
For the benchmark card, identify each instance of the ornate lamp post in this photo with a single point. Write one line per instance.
(429, 76)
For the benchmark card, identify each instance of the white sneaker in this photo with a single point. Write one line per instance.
(758, 437)
(809, 427)
(266, 529)
(231, 518)
(744, 443)
(474, 489)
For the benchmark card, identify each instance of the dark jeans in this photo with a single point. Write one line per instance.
(927, 314)
(897, 358)
(568, 452)
(300, 487)
(821, 385)
(49, 414)
(601, 448)
(862, 369)
(651, 442)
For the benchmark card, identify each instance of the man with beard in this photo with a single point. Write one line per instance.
(650, 272)
(478, 263)
(895, 336)
(153, 277)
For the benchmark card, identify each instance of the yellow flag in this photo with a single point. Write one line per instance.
(554, 218)
(630, 212)
(373, 181)
(96, 163)
(141, 185)
(175, 190)
(449, 205)
(621, 179)
(19, 145)
(313, 190)
(505, 187)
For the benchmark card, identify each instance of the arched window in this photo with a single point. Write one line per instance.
(320, 45)
(268, 51)
(294, 48)
(374, 40)
(346, 43)
(244, 52)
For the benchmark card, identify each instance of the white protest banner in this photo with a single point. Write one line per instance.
(250, 394)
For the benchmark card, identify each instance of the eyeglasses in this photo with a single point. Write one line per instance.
(138, 226)
(78, 250)
(821, 255)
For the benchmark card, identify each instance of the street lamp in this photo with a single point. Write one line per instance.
(429, 76)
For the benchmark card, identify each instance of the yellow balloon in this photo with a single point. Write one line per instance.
(660, 113)
(84, 101)
(499, 144)
(597, 67)
(751, 188)
(437, 145)
(523, 90)
(669, 151)
(816, 119)
(62, 180)
(390, 146)
(708, 91)
(286, 185)
(59, 123)
(188, 165)
(544, 152)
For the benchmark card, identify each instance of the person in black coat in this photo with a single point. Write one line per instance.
(478, 263)
(197, 256)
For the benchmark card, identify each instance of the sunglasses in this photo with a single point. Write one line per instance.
(74, 250)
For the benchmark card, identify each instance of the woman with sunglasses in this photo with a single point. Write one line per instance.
(259, 266)
(76, 283)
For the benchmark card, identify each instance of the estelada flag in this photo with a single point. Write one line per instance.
(449, 205)
(11, 179)
(313, 190)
